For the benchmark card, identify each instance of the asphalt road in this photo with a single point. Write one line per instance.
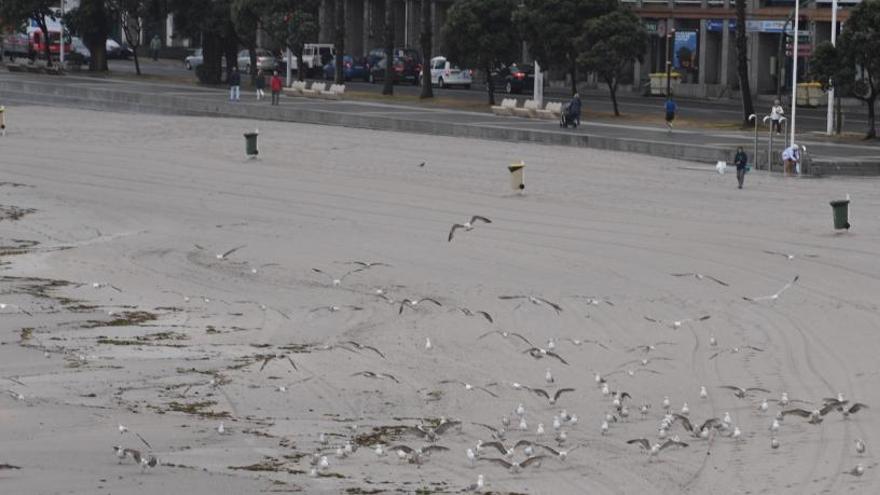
(808, 119)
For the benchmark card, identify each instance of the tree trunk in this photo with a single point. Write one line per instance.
(425, 39)
(340, 41)
(212, 59)
(300, 69)
(490, 84)
(388, 88)
(137, 62)
(612, 88)
(872, 129)
(45, 30)
(838, 119)
(98, 63)
(574, 81)
(742, 61)
(252, 56)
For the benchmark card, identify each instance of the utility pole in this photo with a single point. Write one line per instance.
(830, 124)
(794, 67)
(61, 39)
(670, 33)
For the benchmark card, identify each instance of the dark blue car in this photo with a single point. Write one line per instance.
(351, 68)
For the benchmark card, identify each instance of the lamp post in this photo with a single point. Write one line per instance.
(61, 39)
(830, 119)
(670, 33)
(754, 117)
(794, 67)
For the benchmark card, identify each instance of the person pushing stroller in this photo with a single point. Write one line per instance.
(571, 112)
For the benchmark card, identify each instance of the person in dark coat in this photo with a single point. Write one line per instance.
(260, 84)
(234, 85)
(740, 160)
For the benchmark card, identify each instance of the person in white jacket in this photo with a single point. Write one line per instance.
(776, 114)
(791, 156)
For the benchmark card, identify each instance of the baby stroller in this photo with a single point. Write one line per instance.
(570, 115)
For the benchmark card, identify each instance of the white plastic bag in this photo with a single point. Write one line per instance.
(721, 167)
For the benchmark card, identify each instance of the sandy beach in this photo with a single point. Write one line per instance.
(120, 308)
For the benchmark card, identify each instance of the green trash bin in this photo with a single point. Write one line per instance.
(841, 214)
(251, 144)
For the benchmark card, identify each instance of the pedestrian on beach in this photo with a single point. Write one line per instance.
(260, 84)
(276, 86)
(671, 108)
(234, 81)
(776, 114)
(740, 160)
(155, 45)
(791, 156)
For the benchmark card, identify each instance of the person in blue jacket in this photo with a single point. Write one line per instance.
(671, 108)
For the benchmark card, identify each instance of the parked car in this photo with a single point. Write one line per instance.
(115, 50)
(352, 69)
(377, 54)
(514, 78)
(79, 52)
(404, 70)
(265, 60)
(194, 60)
(444, 73)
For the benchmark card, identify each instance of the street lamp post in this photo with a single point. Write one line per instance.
(794, 67)
(754, 117)
(830, 119)
(61, 39)
(670, 33)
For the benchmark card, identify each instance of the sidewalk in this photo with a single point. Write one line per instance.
(646, 137)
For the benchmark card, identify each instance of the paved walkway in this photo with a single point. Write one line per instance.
(647, 135)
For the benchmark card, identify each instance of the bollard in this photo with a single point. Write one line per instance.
(841, 214)
(2, 121)
(517, 175)
(251, 144)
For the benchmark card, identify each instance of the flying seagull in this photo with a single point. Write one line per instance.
(543, 393)
(773, 297)
(515, 467)
(336, 281)
(656, 448)
(469, 387)
(790, 256)
(367, 264)
(534, 300)
(360, 346)
(370, 374)
(415, 456)
(506, 334)
(484, 314)
(736, 350)
(538, 353)
(431, 434)
(467, 226)
(646, 348)
(412, 303)
(700, 276)
(677, 323)
(740, 392)
(580, 342)
(223, 256)
(18, 308)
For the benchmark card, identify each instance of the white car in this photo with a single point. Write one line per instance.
(444, 74)
(265, 60)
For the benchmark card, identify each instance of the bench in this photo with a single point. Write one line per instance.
(296, 88)
(529, 109)
(335, 92)
(316, 89)
(506, 107)
(551, 111)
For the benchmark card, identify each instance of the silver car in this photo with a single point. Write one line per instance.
(265, 60)
(193, 60)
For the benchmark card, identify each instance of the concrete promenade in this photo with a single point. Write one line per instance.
(693, 144)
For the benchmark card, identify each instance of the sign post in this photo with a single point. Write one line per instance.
(830, 118)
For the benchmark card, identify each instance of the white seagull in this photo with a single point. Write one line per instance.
(467, 226)
(773, 297)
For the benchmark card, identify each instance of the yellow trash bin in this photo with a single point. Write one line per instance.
(517, 175)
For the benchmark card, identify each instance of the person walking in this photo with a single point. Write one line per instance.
(671, 108)
(155, 46)
(791, 156)
(776, 114)
(740, 160)
(234, 81)
(260, 84)
(275, 86)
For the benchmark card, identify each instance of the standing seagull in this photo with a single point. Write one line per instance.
(773, 297)
(467, 226)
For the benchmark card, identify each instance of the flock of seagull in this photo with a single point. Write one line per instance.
(515, 445)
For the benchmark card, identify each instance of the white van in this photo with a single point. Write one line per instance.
(445, 74)
(315, 56)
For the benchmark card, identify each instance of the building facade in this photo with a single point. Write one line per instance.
(699, 37)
